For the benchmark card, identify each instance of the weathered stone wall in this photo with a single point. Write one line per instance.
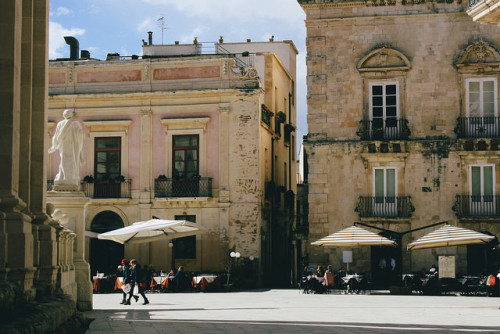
(432, 165)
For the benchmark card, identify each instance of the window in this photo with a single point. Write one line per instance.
(107, 158)
(384, 190)
(384, 109)
(481, 101)
(185, 248)
(185, 157)
(482, 190)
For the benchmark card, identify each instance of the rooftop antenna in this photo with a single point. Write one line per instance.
(161, 21)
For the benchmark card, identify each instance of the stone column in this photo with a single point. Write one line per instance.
(72, 204)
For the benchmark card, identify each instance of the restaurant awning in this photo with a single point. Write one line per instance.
(354, 237)
(152, 230)
(449, 235)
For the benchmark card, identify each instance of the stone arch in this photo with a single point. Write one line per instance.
(105, 255)
(382, 59)
(479, 54)
(91, 216)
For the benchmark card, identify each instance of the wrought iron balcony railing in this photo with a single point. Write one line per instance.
(477, 127)
(201, 187)
(384, 129)
(477, 206)
(395, 207)
(107, 189)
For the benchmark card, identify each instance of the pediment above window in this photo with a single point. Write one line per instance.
(382, 59)
(479, 54)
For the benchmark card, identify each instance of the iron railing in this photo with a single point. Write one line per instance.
(107, 189)
(384, 129)
(477, 127)
(397, 207)
(477, 206)
(472, 3)
(166, 187)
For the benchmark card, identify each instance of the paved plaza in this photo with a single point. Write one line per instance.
(288, 311)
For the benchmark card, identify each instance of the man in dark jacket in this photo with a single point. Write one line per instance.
(136, 278)
(126, 279)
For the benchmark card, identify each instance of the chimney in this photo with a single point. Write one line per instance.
(74, 46)
(85, 54)
(150, 38)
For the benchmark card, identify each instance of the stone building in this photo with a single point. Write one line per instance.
(38, 292)
(403, 128)
(186, 133)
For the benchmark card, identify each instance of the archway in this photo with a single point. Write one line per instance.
(105, 255)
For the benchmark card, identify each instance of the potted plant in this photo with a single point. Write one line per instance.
(88, 179)
(281, 116)
(119, 179)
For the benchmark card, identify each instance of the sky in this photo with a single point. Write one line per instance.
(107, 26)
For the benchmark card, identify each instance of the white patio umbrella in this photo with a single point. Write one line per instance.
(353, 237)
(449, 235)
(152, 230)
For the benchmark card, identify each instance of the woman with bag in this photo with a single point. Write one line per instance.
(136, 278)
(126, 281)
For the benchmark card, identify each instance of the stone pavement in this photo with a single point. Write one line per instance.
(288, 311)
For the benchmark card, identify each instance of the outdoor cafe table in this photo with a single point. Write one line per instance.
(118, 283)
(347, 278)
(158, 281)
(203, 281)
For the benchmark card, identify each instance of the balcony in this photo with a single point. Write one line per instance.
(477, 206)
(166, 188)
(107, 189)
(477, 127)
(385, 207)
(384, 129)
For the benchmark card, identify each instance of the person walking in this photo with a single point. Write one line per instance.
(137, 276)
(126, 279)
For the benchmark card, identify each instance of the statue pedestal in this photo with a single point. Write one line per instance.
(72, 204)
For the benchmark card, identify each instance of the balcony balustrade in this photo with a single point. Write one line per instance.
(384, 129)
(477, 206)
(107, 189)
(166, 187)
(477, 127)
(387, 207)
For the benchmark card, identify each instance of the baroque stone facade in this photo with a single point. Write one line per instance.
(187, 136)
(403, 128)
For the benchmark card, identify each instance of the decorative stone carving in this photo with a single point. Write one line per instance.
(480, 53)
(384, 58)
(68, 139)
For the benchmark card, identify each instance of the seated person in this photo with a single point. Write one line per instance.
(329, 280)
(180, 280)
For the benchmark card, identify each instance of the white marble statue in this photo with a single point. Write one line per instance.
(68, 139)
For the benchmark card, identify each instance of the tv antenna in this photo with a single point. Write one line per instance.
(161, 22)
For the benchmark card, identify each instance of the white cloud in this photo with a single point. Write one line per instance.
(57, 45)
(60, 11)
(241, 10)
(188, 38)
(147, 24)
